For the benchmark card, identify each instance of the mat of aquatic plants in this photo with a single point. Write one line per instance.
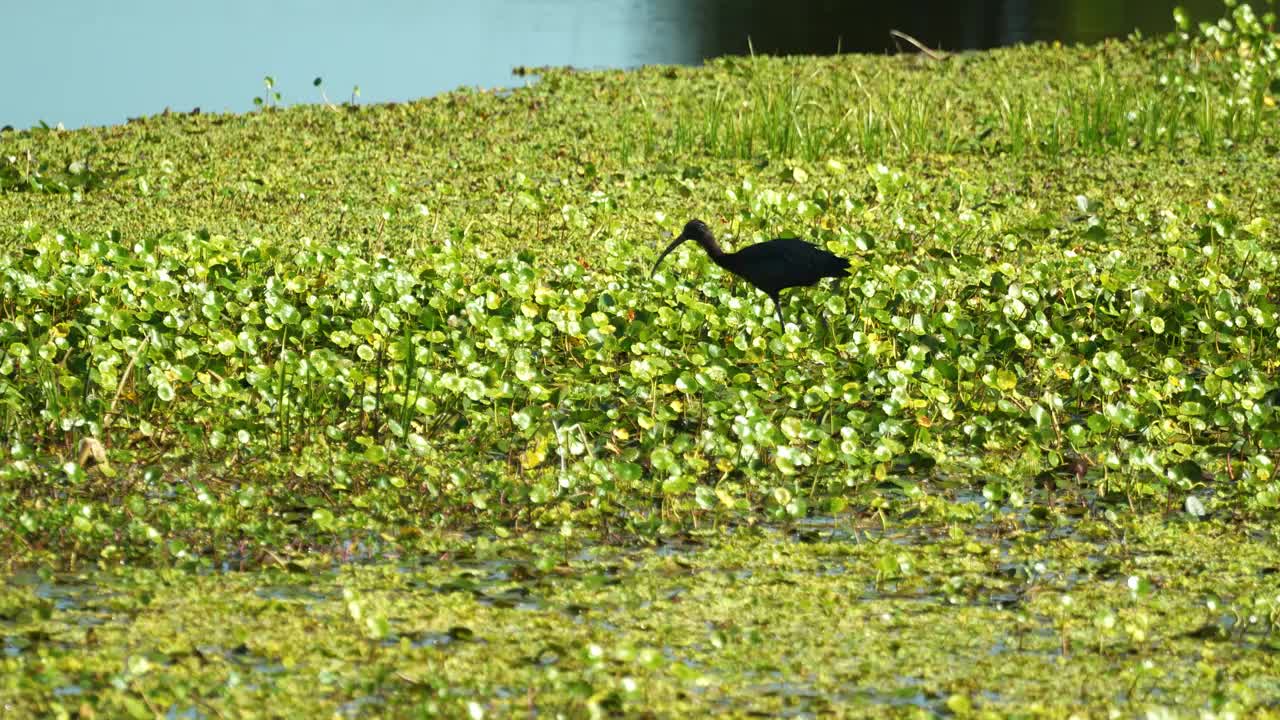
(384, 400)
(827, 618)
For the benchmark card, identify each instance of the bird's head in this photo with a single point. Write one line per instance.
(695, 230)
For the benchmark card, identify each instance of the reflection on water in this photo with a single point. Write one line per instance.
(821, 27)
(84, 62)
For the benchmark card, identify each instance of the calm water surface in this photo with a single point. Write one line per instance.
(90, 62)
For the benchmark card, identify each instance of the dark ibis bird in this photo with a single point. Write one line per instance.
(772, 266)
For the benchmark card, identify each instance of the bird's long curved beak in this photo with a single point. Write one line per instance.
(674, 244)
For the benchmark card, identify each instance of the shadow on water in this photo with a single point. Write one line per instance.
(819, 27)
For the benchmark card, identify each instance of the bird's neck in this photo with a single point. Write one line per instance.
(713, 249)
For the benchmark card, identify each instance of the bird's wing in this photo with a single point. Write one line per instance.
(791, 262)
(821, 262)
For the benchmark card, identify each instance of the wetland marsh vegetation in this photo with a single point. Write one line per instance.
(374, 410)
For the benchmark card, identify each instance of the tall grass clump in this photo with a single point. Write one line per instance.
(1201, 88)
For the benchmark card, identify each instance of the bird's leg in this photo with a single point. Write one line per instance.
(777, 306)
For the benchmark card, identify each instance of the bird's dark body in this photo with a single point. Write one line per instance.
(772, 266)
(775, 265)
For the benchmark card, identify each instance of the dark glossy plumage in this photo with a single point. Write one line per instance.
(772, 266)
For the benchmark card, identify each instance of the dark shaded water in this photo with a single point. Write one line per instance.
(85, 62)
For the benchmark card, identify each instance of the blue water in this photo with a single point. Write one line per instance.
(99, 62)
(96, 62)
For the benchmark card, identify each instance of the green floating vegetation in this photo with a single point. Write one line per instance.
(471, 326)
(829, 621)
(511, 384)
(383, 399)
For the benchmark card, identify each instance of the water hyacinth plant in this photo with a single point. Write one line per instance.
(376, 410)
(1143, 361)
